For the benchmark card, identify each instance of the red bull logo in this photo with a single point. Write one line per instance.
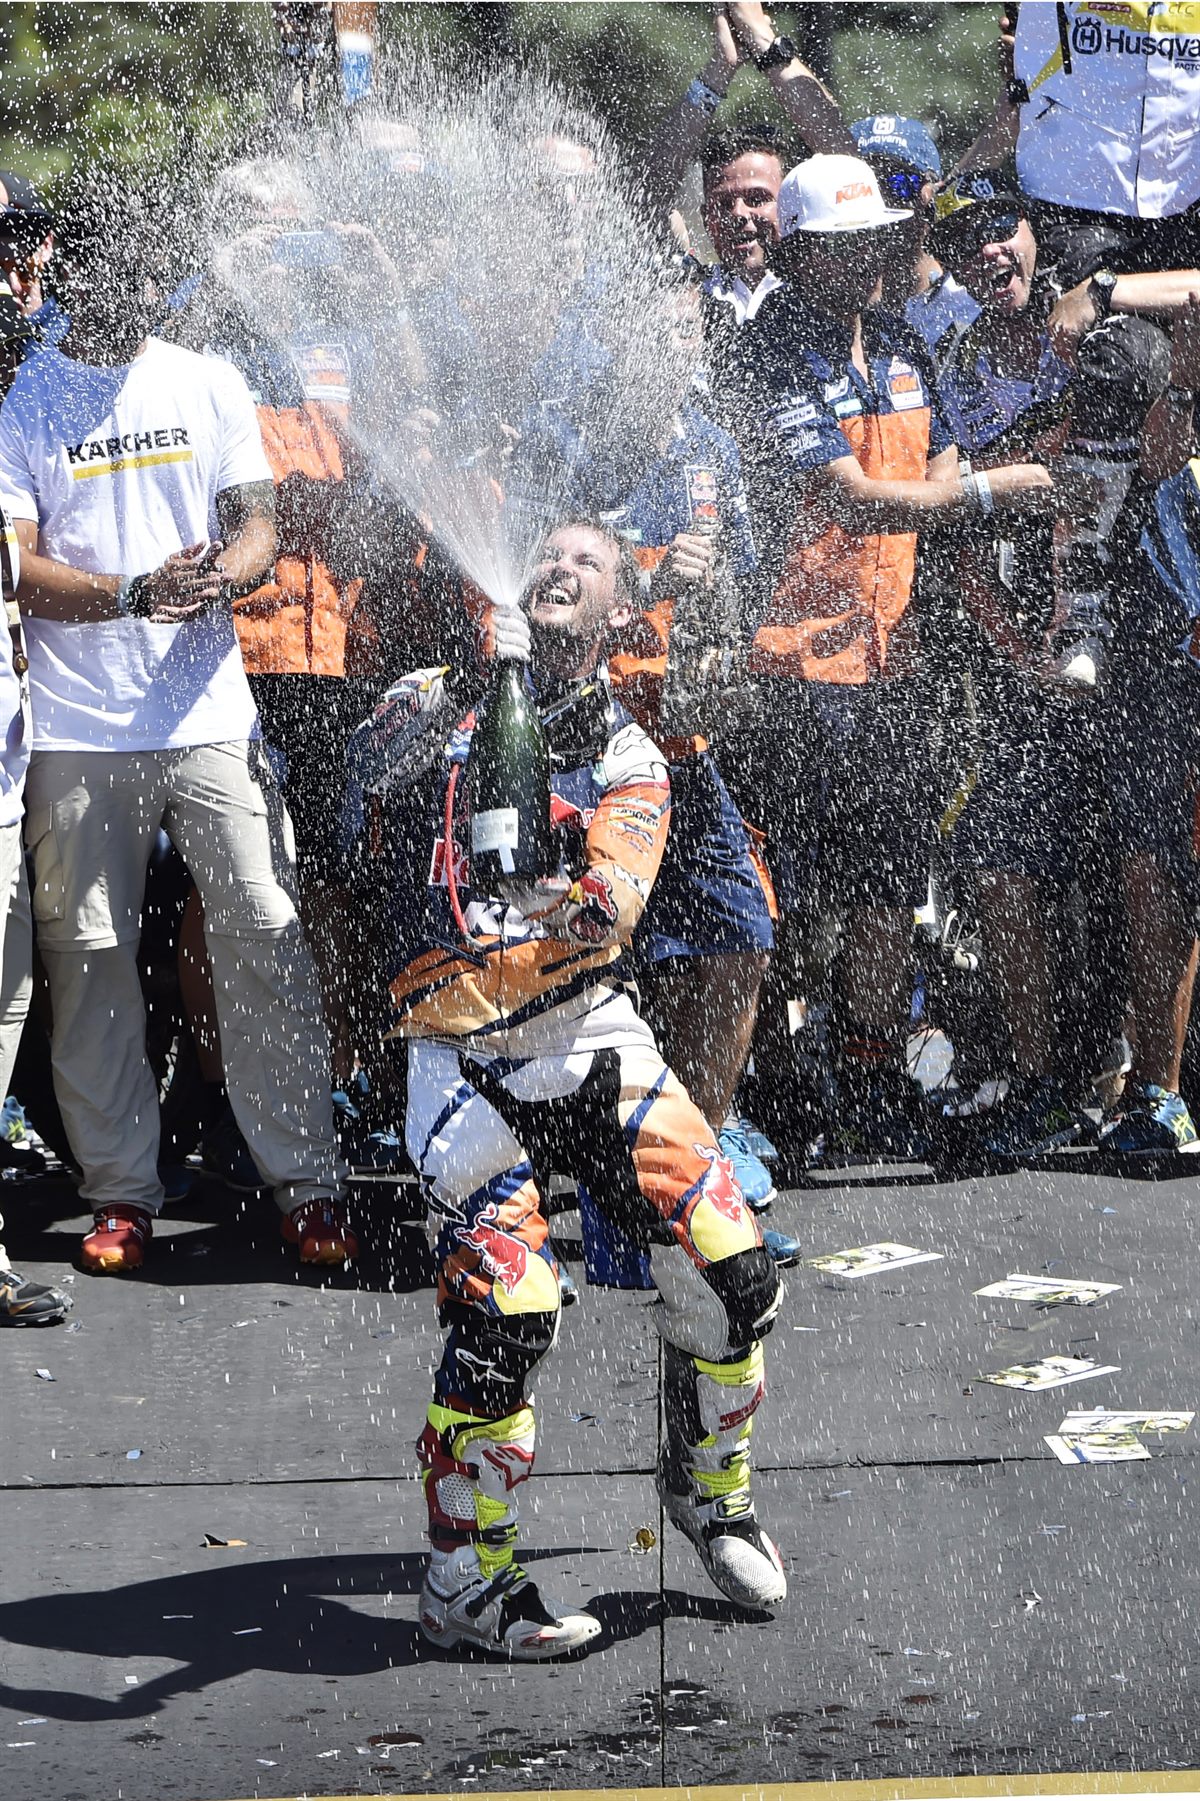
(719, 1185)
(505, 1256)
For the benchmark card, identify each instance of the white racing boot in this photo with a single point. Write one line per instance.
(475, 1592)
(505, 1614)
(704, 1473)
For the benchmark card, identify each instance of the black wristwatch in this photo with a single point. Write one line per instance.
(1100, 292)
(778, 53)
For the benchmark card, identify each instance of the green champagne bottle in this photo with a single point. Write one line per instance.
(509, 771)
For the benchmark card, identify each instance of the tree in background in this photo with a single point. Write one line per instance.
(189, 85)
(129, 85)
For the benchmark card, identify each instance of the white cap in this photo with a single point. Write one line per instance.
(834, 193)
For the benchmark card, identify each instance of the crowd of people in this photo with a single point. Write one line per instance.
(903, 599)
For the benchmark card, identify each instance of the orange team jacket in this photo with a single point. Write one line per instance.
(308, 620)
(840, 608)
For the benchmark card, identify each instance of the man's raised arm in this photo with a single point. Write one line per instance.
(810, 108)
(742, 32)
(679, 138)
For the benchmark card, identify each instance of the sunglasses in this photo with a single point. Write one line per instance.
(957, 242)
(902, 187)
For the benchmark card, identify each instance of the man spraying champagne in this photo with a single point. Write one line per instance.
(526, 1053)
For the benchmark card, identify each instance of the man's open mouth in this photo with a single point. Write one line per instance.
(559, 594)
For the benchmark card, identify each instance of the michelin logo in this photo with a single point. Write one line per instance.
(1090, 36)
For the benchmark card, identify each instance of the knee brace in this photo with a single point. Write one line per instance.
(709, 1416)
(472, 1469)
(717, 1312)
(490, 1357)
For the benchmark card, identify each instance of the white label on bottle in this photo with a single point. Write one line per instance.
(496, 829)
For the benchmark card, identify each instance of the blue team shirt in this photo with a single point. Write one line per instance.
(944, 305)
(980, 405)
(803, 386)
(698, 477)
(1163, 607)
(809, 385)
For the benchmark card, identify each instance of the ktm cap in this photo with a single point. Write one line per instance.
(834, 194)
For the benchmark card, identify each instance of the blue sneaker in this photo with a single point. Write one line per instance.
(753, 1176)
(21, 1150)
(347, 1120)
(177, 1180)
(759, 1144)
(782, 1248)
(1035, 1118)
(226, 1155)
(1152, 1120)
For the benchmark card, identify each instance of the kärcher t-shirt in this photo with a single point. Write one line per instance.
(120, 467)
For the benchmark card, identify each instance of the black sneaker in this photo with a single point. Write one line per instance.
(26, 1303)
(882, 1117)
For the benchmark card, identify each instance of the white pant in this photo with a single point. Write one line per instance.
(91, 819)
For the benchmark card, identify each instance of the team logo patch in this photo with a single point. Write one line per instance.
(904, 385)
(513, 1462)
(1086, 37)
(505, 1257)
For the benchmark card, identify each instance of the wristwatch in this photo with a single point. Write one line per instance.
(1100, 292)
(131, 598)
(778, 53)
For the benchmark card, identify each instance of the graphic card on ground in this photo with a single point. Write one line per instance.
(871, 1259)
(1098, 1447)
(1049, 1291)
(1050, 1372)
(1107, 1419)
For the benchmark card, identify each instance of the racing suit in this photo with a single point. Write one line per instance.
(526, 1053)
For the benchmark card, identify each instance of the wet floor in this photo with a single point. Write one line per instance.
(960, 1601)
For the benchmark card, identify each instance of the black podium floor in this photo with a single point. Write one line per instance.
(961, 1603)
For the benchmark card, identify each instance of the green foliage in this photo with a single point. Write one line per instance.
(135, 86)
(944, 69)
(931, 59)
(159, 84)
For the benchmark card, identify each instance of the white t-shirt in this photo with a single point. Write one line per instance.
(14, 740)
(120, 467)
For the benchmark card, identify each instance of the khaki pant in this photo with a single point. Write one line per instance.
(91, 819)
(16, 959)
